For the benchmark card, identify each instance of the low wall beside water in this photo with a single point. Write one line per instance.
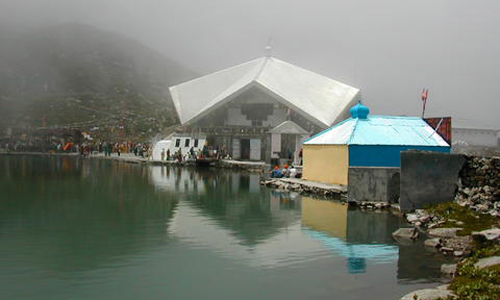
(378, 184)
(428, 178)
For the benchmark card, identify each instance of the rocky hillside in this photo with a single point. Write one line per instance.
(78, 76)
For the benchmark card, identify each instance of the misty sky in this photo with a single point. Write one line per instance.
(390, 49)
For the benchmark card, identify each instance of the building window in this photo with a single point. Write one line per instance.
(186, 144)
(196, 143)
(177, 142)
(256, 122)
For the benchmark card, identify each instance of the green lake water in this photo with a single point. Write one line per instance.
(73, 228)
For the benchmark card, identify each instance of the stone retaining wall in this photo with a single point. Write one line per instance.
(479, 185)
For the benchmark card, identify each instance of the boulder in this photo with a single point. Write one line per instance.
(428, 294)
(448, 269)
(433, 243)
(412, 218)
(487, 262)
(405, 233)
(444, 232)
(447, 249)
(492, 234)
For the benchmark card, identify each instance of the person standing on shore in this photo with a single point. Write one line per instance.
(162, 154)
(179, 155)
(105, 148)
(109, 148)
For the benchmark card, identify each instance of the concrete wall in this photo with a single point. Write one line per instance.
(475, 137)
(326, 163)
(373, 184)
(428, 178)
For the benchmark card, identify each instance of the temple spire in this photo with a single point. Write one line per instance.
(268, 50)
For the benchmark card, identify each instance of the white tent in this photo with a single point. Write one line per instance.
(322, 100)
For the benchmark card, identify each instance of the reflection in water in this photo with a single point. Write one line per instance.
(170, 179)
(235, 217)
(332, 224)
(95, 229)
(325, 216)
(75, 214)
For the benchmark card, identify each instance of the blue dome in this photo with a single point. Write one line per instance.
(360, 111)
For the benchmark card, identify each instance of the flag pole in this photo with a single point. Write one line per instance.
(425, 93)
(423, 108)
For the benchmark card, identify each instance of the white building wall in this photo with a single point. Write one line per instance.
(475, 137)
(172, 145)
(160, 146)
(278, 117)
(236, 118)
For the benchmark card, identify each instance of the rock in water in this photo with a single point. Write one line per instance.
(411, 218)
(428, 294)
(405, 233)
(444, 232)
(433, 243)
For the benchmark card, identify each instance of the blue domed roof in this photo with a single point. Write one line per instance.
(360, 111)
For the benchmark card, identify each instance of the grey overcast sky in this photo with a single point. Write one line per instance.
(390, 49)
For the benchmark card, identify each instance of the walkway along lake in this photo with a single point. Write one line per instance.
(73, 228)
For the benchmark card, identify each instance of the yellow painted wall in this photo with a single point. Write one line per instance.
(326, 163)
(325, 216)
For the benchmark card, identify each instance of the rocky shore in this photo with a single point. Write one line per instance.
(468, 229)
(306, 187)
(254, 167)
(479, 185)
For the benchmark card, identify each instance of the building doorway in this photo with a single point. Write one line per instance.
(288, 145)
(245, 148)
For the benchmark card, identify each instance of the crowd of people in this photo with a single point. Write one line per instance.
(108, 148)
(193, 154)
(286, 172)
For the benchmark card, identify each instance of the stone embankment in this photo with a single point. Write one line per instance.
(306, 187)
(479, 186)
(250, 166)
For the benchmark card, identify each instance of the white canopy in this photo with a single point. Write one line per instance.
(322, 100)
(288, 127)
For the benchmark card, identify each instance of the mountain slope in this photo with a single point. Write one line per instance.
(78, 76)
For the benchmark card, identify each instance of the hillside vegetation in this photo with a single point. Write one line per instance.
(78, 76)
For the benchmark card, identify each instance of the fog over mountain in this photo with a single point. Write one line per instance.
(76, 75)
(390, 49)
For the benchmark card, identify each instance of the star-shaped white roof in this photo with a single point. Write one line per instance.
(322, 100)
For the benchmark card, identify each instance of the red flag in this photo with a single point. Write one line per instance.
(425, 93)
